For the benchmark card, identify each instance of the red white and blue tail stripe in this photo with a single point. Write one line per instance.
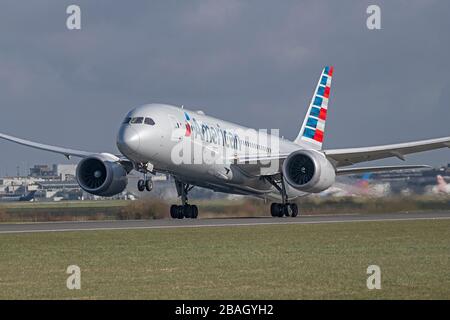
(313, 127)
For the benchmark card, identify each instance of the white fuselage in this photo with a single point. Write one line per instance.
(201, 150)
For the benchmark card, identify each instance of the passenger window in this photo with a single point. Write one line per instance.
(149, 121)
(137, 120)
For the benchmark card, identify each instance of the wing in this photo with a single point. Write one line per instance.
(65, 151)
(346, 157)
(344, 171)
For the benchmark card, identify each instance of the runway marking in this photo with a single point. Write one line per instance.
(220, 225)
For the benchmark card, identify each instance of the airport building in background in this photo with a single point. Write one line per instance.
(47, 180)
(58, 181)
(61, 172)
(54, 183)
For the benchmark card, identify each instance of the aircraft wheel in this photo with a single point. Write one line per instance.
(274, 209)
(284, 210)
(141, 185)
(180, 212)
(187, 211)
(194, 212)
(294, 209)
(149, 185)
(174, 211)
(278, 210)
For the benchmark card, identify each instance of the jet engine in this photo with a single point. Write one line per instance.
(308, 171)
(101, 175)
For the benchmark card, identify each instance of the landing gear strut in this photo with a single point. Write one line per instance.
(185, 210)
(285, 208)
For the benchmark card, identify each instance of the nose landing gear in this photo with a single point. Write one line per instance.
(146, 183)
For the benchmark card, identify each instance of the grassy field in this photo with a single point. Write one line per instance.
(259, 262)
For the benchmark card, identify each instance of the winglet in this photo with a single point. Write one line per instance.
(313, 128)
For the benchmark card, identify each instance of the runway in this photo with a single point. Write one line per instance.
(219, 222)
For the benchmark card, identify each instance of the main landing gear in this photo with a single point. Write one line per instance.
(285, 208)
(185, 210)
(281, 210)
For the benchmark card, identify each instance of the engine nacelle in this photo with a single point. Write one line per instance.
(308, 171)
(101, 175)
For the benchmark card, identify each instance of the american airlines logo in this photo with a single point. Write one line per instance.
(188, 125)
(206, 143)
(227, 138)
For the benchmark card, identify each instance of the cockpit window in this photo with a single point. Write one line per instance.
(149, 121)
(137, 120)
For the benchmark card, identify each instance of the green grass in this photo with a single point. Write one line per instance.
(259, 262)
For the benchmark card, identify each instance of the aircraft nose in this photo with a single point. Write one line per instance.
(128, 140)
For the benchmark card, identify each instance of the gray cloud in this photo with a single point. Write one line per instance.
(252, 62)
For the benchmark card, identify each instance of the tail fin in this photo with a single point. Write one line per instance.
(28, 197)
(313, 127)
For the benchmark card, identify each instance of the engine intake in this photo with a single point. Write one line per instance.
(101, 176)
(308, 171)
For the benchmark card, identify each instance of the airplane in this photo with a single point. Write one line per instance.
(27, 197)
(200, 150)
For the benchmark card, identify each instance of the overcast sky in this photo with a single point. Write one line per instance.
(252, 62)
